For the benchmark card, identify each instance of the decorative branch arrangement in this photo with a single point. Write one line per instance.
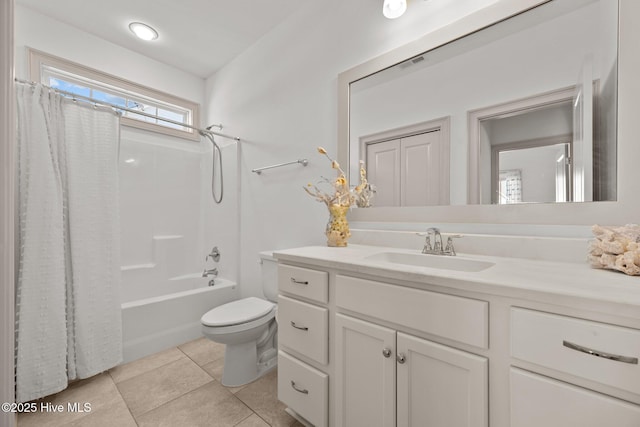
(339, 200)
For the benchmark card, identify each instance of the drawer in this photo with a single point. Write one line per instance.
(304, 328)
(549, 340)
(303, 389)
(540, 401)
(460, 319)
(304, 282)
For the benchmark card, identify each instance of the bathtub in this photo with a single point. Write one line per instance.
(156, 323)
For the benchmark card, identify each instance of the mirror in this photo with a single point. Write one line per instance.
(452, 124)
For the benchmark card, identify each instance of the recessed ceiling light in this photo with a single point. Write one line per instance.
(394, 8)
(143, 31)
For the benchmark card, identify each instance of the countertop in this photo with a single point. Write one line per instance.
(569, 284)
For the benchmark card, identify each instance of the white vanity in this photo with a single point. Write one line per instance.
(370, 337)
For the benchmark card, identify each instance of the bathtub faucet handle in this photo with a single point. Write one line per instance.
(213, 272)
(214, 255)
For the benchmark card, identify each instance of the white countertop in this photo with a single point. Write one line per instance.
(563, 283)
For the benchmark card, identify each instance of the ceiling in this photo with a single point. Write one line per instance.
(197, 36)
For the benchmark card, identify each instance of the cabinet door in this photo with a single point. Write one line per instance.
(541, 401)
(440, 386)
(365, 374)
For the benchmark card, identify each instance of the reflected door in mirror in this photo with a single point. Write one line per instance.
(406, 171)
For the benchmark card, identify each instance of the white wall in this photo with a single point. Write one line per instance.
(165, 181)
(280, 96)
(7, 220)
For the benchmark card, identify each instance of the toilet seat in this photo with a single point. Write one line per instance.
(237, 312)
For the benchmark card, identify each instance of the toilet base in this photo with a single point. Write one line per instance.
(241, 364)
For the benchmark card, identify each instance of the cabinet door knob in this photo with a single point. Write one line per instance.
(298, 389)
(401, 358)
(386, 352)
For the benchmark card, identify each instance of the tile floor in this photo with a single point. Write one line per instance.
(176, 387)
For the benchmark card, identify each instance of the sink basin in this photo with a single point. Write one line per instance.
(432, 261)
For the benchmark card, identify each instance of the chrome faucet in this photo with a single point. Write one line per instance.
(435, 247)
(213, 272)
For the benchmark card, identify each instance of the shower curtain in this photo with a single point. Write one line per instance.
(68, 322)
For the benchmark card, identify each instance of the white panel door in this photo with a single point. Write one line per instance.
(365, 374)
(420, 181)
(540, 401)
(383, 170)
(440, 386)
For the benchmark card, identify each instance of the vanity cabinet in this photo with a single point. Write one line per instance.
(379, 367)
(303, 338)
(389, 378)
(603, 354)
(377, 346)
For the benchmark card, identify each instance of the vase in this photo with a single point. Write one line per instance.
(338, 227)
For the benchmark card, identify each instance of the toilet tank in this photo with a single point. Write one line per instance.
(269, 267)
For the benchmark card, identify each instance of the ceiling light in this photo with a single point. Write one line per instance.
(143, 31)
(394, 8)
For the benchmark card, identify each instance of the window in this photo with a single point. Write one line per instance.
(70, 77)
(510, 187)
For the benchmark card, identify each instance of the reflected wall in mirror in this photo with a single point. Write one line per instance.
(525, 82)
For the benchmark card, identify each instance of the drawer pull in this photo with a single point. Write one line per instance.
(302, 328)
(299, 390)
(614, 357)
(299, 282)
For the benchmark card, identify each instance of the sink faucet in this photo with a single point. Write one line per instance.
(213, 272)
(437, 248)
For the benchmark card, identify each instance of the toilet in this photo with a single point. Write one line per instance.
(249, 330)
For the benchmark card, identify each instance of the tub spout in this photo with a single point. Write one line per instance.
(213, 272)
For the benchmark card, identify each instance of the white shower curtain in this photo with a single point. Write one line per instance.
(67, 299)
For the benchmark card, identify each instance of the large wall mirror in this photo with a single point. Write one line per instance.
(521, 110)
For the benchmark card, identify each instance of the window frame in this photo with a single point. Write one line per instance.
(38, 60)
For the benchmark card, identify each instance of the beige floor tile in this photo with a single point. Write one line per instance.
(210, 405)
(140, 366)
(215, 369)
(203, 350)
(116, 414)
(147, 391)
(262, 397)
(253, 421)
(99, 391)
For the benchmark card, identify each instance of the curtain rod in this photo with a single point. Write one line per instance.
(118, 107)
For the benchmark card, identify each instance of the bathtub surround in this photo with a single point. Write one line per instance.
(68, 303)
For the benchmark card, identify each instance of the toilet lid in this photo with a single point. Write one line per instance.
(236, 312)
